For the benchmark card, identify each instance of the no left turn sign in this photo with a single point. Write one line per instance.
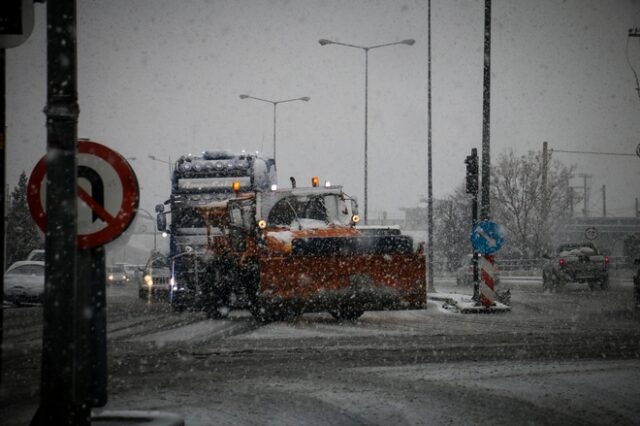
(108, 194)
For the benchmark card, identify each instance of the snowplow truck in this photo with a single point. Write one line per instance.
(297, 250)
(203, 180)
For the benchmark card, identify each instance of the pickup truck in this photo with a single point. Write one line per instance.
(576, 262)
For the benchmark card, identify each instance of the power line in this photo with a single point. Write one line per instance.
(593, 152)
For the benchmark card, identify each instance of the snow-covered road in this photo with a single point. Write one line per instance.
(556, 358)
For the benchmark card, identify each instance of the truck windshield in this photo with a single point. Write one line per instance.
(309, 211)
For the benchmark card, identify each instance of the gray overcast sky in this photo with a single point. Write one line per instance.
(162, 77)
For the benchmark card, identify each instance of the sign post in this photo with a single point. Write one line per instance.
(107, 200)
(486, 238)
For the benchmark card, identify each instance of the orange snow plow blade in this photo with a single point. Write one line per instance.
(322, 282)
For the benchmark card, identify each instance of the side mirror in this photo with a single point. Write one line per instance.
(159, 208)
(161, 221)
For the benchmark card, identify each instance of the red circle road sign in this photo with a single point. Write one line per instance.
(108, 194)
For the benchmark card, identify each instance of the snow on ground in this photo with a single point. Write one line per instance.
(470, 393)
(199, 331)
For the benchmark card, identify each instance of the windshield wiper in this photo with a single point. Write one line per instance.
(294, 214)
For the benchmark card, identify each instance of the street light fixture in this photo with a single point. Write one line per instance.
(275, 103)
(324, 42)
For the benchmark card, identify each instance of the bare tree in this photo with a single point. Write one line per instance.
(452, 228)
(518, 201)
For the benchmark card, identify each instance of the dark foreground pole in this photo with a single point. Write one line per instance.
(3, 194)
(61, 388)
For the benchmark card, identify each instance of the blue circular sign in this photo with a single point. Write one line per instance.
(487, 237)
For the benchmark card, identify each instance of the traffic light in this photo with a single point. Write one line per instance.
(472, 172)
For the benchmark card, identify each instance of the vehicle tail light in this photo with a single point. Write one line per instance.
(561, 261)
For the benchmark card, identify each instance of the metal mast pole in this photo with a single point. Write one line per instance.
(429, 158)
(486, 113)
(366, 126)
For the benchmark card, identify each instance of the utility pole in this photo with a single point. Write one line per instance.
(604, 200)
(545, 194)
(585, 210)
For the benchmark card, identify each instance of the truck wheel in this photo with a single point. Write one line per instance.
(265, 311)
(260, 314)
(217, 312)
(346, 314)
(216, 306)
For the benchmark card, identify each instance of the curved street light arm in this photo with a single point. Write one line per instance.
(408, 42)
(304, 98)
(154, 158)
(257, 99)
(324, 42)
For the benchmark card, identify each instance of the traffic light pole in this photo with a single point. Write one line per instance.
(472, 188)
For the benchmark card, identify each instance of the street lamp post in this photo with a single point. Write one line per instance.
(324, 42)
(275, 104)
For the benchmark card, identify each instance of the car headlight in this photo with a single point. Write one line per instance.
(148, 280)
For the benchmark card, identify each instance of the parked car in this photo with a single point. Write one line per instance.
(116, 274)
(24, 282)
(156, 277)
